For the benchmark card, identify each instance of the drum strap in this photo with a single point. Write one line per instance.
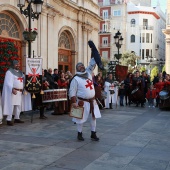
(91, 104)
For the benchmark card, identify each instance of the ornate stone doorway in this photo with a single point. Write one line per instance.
(65, 52)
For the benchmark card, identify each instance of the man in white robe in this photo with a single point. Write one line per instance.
(109, 87)
(12, 93)
(82, 93)
(0, 110)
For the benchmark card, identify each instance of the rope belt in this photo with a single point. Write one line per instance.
(18, 89)
(91, 104)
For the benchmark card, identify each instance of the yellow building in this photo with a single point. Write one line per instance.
(64, 28)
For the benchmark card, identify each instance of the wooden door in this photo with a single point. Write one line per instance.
(64, 60)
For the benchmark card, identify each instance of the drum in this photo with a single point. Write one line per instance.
(164, 94)
(53, 95)
(137, 96)
(134, 91)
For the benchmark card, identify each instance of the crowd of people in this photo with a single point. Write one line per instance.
(83, 89)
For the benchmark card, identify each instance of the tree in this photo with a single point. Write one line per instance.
(105, 64)
(129, 58)
(154, 72)
(163, 69)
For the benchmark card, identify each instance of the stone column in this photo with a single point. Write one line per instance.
(167, 58)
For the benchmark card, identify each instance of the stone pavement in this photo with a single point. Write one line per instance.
(131, 138)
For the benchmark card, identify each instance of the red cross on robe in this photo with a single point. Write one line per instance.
(89, 84)
(34, 75)
(20, 79)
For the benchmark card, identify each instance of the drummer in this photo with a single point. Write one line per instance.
(159, 87)
(137, 82)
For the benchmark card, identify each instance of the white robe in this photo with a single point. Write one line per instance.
(83, 88)
(110, 97)
(8, 98)
(1, 117)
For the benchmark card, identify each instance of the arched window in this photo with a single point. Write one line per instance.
(8, 26)
(132, 38)
(133, 22)
(64, 41)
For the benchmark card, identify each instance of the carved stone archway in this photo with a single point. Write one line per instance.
(66, 51)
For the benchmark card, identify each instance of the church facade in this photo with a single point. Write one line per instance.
(64, 28)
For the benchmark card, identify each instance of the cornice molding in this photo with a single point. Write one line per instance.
(145, 12)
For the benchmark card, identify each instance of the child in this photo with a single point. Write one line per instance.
(151, 95)
(121, 93)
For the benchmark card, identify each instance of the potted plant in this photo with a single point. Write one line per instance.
(30, 35)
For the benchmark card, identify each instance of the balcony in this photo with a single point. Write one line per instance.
(106, 17)
(104, 32)
(143, 27)
(108, 45)
(116, 2)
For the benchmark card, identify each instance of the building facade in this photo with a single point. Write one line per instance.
(144, 33)
(64, 28)
(113, 14)
(140, 27)
(167, 39)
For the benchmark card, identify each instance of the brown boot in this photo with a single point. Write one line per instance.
(10, 123)
(18, 121)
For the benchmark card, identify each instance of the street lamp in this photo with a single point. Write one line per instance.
(28, 12)
(118, 41)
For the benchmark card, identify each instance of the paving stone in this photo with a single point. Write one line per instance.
(131, 138)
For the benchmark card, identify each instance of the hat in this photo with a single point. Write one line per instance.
(14, 62)
(78, 64)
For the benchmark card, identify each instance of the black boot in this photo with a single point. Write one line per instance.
(80, 137)
(110, 105)
(42, 113)
(93, 136)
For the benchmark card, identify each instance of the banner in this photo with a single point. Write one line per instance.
(33, 77)
(121, 72)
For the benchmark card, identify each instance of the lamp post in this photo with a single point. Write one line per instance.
(118, 42)
(149, 60)
(28, 12)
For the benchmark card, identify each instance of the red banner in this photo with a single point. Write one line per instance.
(121, 72)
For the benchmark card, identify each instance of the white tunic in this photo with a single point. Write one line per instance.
(110, 86)
(84, 88)
(0, 110)
(8, 98)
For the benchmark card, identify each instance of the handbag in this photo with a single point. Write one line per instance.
(112, 91)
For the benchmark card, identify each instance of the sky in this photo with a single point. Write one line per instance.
(162, 4)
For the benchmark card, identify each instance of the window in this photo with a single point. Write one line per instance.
(145, 22)
(132, 38)
(117, 12)
(147, 52)
(8, 26)
(105, 28)
(147, 37)
(106, 2)
(105, 41)
(133, 22)
(105, 14)
(151, 38)
(143, 37)
(143, 54)
(105, 54)
(140, 52)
